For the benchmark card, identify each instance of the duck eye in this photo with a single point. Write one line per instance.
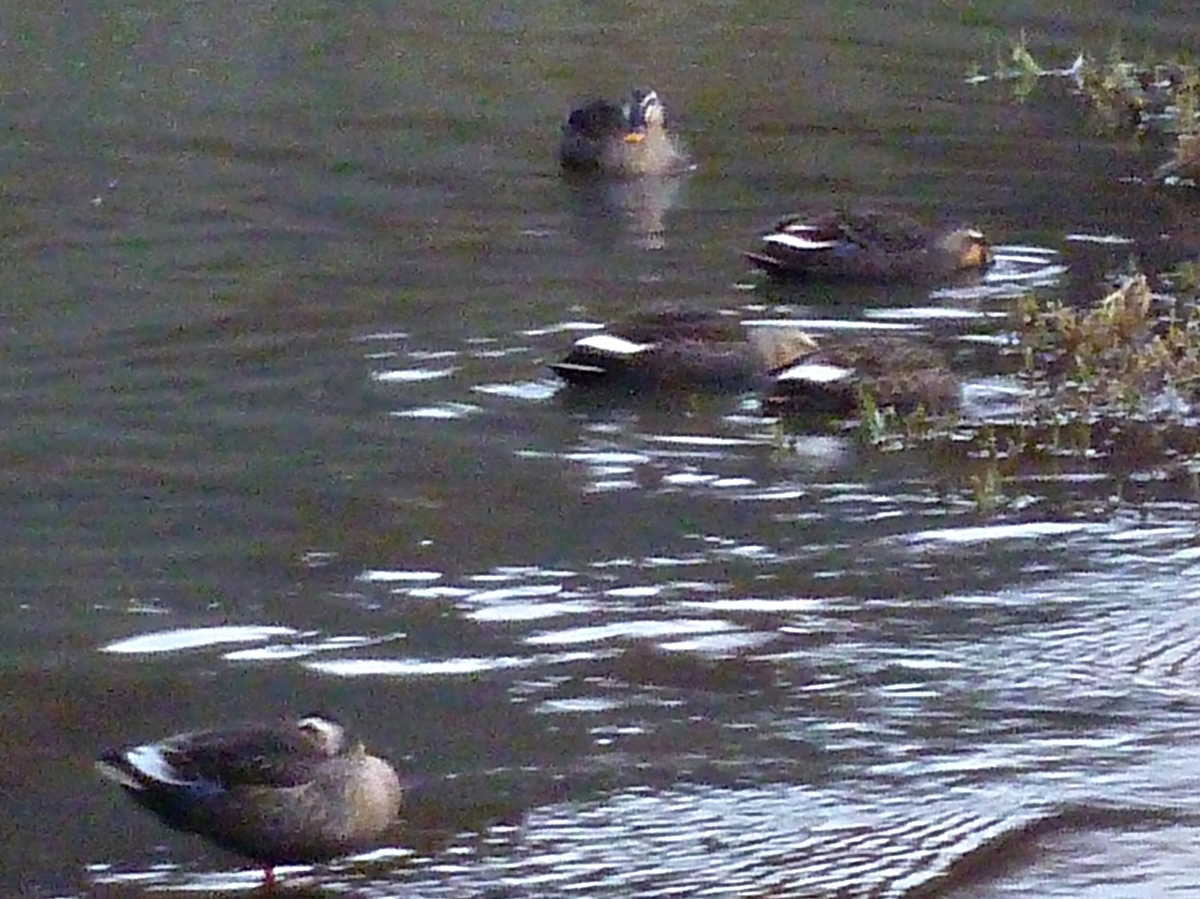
(321, 730)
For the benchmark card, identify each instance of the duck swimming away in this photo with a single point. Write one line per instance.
(285, 792)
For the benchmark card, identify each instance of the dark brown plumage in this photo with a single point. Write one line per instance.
(867, 246)
(834, 380)
(670, 348)
(677, 348)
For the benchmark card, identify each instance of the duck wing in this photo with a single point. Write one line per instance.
(246, 756)
(887, 233)
(668, 322)
(869, 229)
(250, 756)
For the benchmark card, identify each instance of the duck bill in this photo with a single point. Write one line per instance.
(977, 256)
(635, 137)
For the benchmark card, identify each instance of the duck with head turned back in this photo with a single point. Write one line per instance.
(867, 246)
(286, 792)
(602, 138)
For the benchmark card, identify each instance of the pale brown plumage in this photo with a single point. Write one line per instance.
(279, 793)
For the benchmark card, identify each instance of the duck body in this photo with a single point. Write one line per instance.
(628, 140)
(866, 246)
(833, 381)
(279, 793)
(670, 348)
(676, 349)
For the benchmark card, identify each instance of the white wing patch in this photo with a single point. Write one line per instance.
(798, 242)
(575, 366)
(612, 345)
(816, 373)
(149, 761)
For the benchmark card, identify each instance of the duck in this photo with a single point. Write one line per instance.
(627, 140)
(835, 380)
(278, 792)
(678, 348)
(867, 245)
(669, 348)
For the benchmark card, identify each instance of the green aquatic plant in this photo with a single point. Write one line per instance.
(1184, 280)
(1110, 392)
(1017, 65)
(987, 481)
(884, 428)
(1153, 95)
(1110, 396)
(1024, 70)
(1127, 355)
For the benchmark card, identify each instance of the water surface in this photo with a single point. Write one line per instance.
(280, 291)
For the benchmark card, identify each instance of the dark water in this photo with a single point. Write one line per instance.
(279, 290)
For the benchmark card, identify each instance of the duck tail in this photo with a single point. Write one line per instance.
(139, 769)
(113, 766)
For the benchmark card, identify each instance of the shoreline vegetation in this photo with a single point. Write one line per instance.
(1108, 391)
(1148, 98)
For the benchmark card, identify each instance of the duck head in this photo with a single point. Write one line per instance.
(643, 113)
(968, 247)
(778, 346)
(326, 735)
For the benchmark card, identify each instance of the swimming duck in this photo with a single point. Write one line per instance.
(672, 348)
(602, 138)
(286, 792)
(867, 246)
(835, 379)
(676, 348)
